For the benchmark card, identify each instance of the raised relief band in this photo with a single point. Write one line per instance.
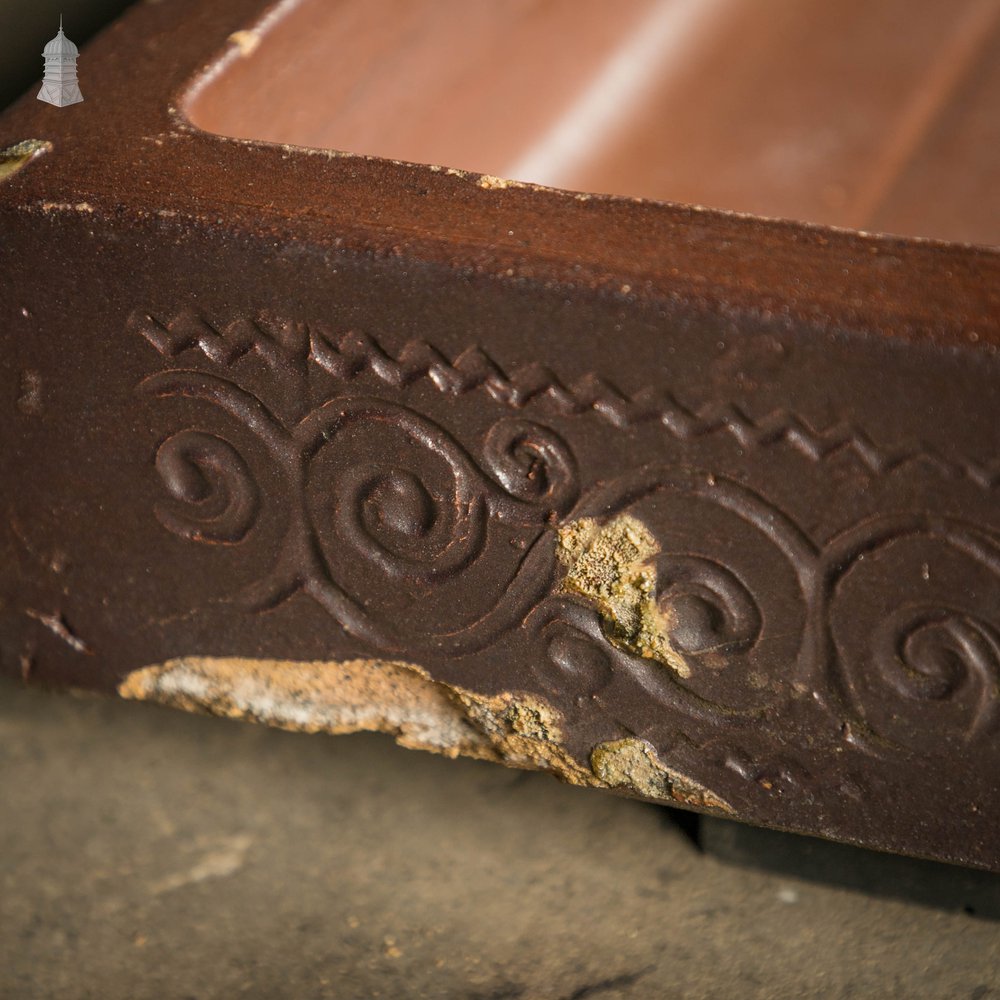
(744, 620)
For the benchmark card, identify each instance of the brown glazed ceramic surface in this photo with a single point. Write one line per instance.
(697, 506)
(877, 116)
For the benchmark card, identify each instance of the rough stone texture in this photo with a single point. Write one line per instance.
(147, 853)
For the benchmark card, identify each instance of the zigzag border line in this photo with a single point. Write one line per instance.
(284, 342)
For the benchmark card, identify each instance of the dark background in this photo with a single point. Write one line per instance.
(25, 27)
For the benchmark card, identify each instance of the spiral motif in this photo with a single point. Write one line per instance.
(407, 528)
(388, 517)
(910, 604)
(727, 631)
(532, 463)
(927, 652)
(215, 493)
(411, 541)
(711, 613)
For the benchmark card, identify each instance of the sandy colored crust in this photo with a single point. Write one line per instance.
(386, 696)
(611, 565)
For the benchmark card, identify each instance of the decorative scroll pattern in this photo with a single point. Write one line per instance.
(379, 499)
(924, 591)
(381, 516)
(739, 563)
(207, 475)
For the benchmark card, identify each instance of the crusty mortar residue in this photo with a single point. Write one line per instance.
(526, 731)
(634, 764)
(14, 157)
(513, 728)
(246, 41)
(610, 564)
(365, 695)
(316, 696)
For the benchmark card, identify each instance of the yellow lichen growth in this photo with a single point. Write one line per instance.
(634, 764)
(526, 731)
(610, 564)
(14, 157)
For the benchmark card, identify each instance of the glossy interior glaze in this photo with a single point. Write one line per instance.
(878, 116)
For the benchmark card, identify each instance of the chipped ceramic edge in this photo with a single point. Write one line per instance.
(14, 157)
(610, 565)
(315, 696)
(634, 764)
(246, 40)
(401, 699)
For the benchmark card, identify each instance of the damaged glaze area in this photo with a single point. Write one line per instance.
(512, 728)
(365, 695)
(332, 697)
(634, 765)
(246, 41)
(14, 157)
(610, 565)
(526, 731)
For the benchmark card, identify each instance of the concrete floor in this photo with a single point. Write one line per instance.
(146, 853)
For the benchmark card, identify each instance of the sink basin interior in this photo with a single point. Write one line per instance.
(878, 116)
